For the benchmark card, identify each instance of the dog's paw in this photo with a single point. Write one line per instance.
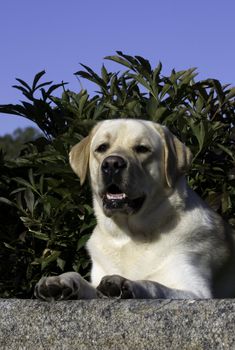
(116, 286)
(62, 287)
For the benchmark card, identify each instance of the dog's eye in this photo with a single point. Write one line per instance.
(102, 148)
(141, 149)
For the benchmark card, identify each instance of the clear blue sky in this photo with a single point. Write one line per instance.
(56, 35)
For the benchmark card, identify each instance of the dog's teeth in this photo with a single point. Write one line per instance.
(116, 196)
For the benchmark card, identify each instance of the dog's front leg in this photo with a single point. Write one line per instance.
(120, 287)
(69, 285)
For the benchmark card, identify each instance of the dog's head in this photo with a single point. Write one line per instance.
(130, 162)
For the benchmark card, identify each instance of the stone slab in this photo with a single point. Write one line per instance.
(117, 324)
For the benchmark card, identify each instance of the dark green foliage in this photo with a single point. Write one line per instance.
(45, 216)
(12, 145)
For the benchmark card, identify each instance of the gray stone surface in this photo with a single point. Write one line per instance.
(117, 324)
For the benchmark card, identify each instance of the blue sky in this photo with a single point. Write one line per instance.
(57, 35)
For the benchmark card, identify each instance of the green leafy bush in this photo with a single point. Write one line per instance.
(45, 216)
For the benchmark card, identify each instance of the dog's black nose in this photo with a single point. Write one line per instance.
(113, 165)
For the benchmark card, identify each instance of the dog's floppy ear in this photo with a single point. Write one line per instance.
(177, 157)
(79, 158)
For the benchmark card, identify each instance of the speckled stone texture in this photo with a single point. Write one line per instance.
(117, 324)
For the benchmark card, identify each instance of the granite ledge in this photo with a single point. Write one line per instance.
(117, 324)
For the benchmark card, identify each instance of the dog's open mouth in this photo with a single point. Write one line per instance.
(116, 200)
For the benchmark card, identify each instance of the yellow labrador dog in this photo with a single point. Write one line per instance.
(155, 238)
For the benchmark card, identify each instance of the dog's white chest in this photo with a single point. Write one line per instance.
(125, 257)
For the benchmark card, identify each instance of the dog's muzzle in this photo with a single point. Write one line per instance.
(115, 198)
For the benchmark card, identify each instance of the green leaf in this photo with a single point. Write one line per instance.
(218, 89)
(199, 130)
(49, 259)
(19, 202)
(20, 189)
(226, 150)
(40, 235)
(145, 63)
(231, 93)
(140, 79)
(159, 113)
(82, 241)
(82, 102)
(31, 178)
(128, 58)
(55, 87)
(199, 104)
(226, 202)
(105, 75)
(22, 89)
(41, 183)
(9, 246)
(22, 82)
(156, 74)
(43, 84)
(23, 182)
(151, 107)
(165, 90)
(29, 199)
(188, 76)
(95, 76)
(61, 263)
(7, 201)
(37, 78)
(119, 60)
